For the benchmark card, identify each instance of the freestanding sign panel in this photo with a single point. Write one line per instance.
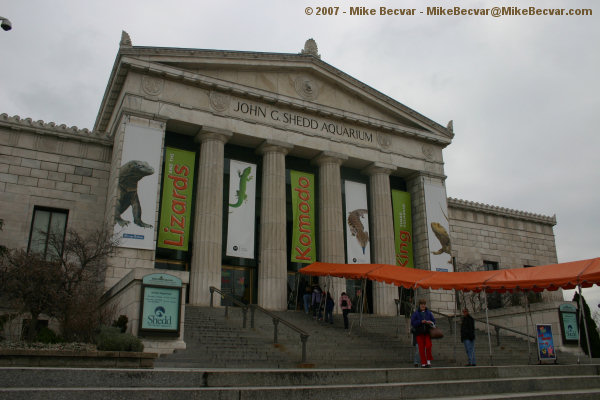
(161, 304)
(568, 323)
(545, 342)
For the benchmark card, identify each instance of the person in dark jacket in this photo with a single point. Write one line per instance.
(467, 336)
(329, 305)
(346, 306)
(422, 320)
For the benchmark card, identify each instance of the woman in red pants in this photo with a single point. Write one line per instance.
(422, 320)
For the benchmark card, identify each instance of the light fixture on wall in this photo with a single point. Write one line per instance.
(5, 24)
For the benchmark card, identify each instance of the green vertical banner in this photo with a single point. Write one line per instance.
(402, 228)
(178, 187)
(303, 219)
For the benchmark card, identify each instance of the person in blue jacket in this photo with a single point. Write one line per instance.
(422, 320)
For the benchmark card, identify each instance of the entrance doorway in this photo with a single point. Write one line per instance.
(239, 282)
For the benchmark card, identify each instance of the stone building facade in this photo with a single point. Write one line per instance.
(277, 113)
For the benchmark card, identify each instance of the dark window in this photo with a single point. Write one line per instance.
(48, 231)
(494, 300)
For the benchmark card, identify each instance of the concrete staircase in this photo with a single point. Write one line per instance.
(373, 361)
(214, 341)
(499, 382)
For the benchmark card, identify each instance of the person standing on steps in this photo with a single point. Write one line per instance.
(467, 336)
(329, 304)
(345, 305)
(422, 321)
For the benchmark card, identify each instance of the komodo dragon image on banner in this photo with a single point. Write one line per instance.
(129, 176)
(441, 234)
(357, 228)
(241, 192)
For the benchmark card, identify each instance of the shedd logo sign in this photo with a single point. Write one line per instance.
(160, 318)
(161, 298)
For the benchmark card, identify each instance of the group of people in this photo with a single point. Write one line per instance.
(315, 300)
(422, 321)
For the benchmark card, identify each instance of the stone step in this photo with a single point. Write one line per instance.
(520, 382)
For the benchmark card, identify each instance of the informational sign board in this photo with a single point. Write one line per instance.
(545, 342)
(161, 304)
(568, 323)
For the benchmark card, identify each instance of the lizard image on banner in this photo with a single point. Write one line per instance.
(241, 192)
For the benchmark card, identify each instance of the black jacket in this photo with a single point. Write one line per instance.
(467, 328)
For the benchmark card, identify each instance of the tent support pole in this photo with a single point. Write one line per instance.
(587, 336)
(455, 336)
(362, 300)
(527, 313)
(487, 322)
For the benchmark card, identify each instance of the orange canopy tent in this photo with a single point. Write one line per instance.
(546, 277)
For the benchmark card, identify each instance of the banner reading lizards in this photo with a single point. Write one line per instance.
(175, 211)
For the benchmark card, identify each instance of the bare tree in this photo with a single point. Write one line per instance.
(66, 285)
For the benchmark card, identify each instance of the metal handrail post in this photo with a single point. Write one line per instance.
(275, 324)
(303, 339)
(245, 312)
(212, 291)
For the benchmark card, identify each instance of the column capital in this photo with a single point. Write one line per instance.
(379, 168)
(327, 157)
(209, 133)
(269, 146)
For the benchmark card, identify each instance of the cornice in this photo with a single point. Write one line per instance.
(175, 74)
(500, 211)
(128, 57)
(17, 123)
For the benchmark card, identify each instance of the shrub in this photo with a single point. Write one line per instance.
(121, 323)
(47, 335)
(112, 339)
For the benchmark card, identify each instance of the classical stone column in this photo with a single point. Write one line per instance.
(331, 215)
(382, 235)
(272, 262)
(205, 270)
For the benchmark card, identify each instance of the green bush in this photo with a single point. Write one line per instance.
(47, 335)
(111, 339)
(121, 323)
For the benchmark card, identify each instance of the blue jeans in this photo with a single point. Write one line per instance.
(417, 360)
(306, 299)
(470, 349)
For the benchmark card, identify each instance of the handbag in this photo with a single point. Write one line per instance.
(436, 333)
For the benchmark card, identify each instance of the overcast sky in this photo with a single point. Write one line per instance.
(523, 91)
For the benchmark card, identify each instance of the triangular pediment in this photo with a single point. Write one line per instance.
(303, 80)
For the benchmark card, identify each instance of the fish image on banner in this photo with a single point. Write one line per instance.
(440, 250)
(241, 210)
(357, 223)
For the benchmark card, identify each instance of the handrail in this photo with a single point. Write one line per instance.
(234, 300)
(496, 326)
(276, 319)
